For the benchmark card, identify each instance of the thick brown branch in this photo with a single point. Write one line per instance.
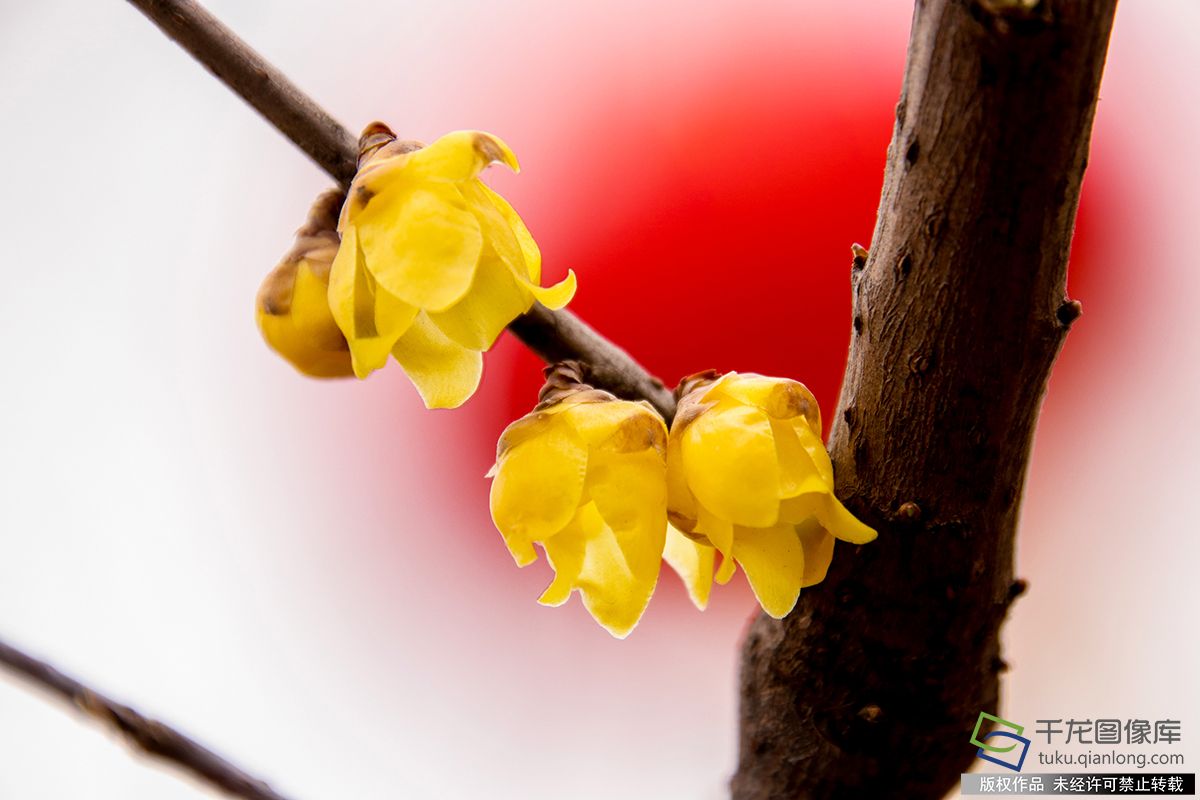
(871, 686)
(553, 335)
(148, 735)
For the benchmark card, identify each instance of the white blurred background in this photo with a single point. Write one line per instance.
(283, 569)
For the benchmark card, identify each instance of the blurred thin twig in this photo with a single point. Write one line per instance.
(149, 736)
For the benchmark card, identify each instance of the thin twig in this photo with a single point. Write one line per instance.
(552, 335)
(147, 735)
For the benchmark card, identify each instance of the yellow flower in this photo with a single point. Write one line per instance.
(292, 308)
(748, 476)
(433, 264)
(584, 476)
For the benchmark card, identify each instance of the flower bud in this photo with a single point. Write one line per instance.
(433, 264)
(748, 476)
(292, 307)
(584, 476)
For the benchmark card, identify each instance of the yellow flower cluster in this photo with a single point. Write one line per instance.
(749, 477)
(431, 267)
(585, 477)
(743, 472)
(427, 265)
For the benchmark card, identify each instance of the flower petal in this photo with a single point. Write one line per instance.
(588, 557)
(614, 594)
(719, 532)
(513, 244)
(421, 243)
(532, 256)
(780, 398)
(726, 570)
(310, 309)
(288, 341)
(293, 315)
(378, 175)
(748, 388)
(537, 488)
(617, 425)
(496, 298)
(681, 503)
(496, 228)
(812, 444)
(834, 517)
(565, 552)
(819, 503)
(372, 321)
(693, 563)
(818, 551)
(731, 467)
(459, 156)
(556, 296)
(796, 466)
(773, 560)
(445, 373)
(525, 428)
(630, 494)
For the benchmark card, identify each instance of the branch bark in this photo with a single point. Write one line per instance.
(552, 335)
(871, 687)
(150, 736)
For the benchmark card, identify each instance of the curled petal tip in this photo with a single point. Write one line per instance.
(557, 296)
(844, 525)
(555, 595)
(494, 150)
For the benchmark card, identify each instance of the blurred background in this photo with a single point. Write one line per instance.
(304, 574)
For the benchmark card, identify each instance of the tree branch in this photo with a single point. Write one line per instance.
(870, 688)
(552, 335)
(150, 736)
(559, 336)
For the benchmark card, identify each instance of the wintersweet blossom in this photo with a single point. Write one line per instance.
(749, 477)
(291, 308)
(433, 264)
(584, 477)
